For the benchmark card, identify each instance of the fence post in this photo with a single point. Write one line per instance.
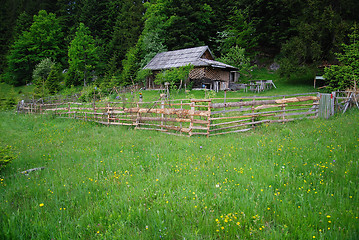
(283, 110)
(253, 111)
(55, 109)
(181, 112)
(225, 96)
(209, 117)
(138, 115)
(332, 103)
(94, 111)
(191, 117)
(108, 114)
(316, 105)
(162, 115)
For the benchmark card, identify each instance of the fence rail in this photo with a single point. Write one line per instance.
(207, 117)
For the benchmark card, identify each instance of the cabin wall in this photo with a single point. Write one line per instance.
(207, 55)
(217, 74)
(197, 73)
(201, 77)
(209, 73)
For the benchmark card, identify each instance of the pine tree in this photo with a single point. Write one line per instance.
(126, 31)
(346, 75)
(53, 80)
(83, 56)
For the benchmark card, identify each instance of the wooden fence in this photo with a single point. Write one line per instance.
(337, 102)
(207, 117)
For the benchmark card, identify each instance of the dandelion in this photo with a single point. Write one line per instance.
(41, 204)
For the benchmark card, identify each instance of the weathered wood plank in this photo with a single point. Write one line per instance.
(226, 123)
(115, 123)
(240, 125)
(160, 119)
(236, 131)
(175, 128)
(199, 133)
(231, 110)
(265, 102)
(169, 111)
(297, 113)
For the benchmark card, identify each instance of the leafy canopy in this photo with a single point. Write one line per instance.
(236, 57)
(43, 40)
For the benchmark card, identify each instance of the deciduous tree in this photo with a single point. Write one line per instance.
(44, 39)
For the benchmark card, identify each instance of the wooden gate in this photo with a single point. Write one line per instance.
(326, 105)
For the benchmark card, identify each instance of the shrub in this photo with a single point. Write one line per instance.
(89, 93)
(174, 76)
(338, 78)
(8, 101)
(345, 75)
(6, 156)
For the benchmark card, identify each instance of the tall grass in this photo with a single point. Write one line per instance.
(292, 181)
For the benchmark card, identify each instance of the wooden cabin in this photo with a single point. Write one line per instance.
(207, 72)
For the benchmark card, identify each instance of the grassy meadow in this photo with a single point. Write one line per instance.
(283, 181)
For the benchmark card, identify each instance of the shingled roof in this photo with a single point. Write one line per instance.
(183, 57)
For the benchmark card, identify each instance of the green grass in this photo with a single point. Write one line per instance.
(281, 181)
(292, 181)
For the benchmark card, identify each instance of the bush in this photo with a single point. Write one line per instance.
(89, 93)
(174, 76)
(6, 156)
(345, 75)
(8, 101)
(338, 78)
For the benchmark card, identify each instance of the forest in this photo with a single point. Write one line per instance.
(64, 43)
